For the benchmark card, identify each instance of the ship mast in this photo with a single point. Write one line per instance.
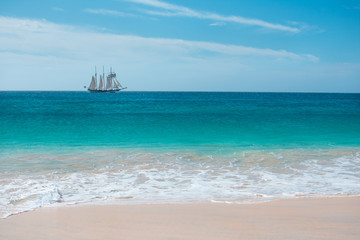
(96, 87)
(112, 85)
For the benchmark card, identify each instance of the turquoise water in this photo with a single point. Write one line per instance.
(78, 147)
(178, 120)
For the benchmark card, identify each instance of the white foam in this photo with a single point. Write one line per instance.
(147, 177)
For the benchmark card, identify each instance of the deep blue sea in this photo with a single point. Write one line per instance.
(153, 147)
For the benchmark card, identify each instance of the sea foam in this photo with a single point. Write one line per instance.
(30, 181)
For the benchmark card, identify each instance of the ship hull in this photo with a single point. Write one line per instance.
(104, 91)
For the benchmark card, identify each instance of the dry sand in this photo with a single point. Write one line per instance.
(330, 218)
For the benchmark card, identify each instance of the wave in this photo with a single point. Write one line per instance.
(30, 181)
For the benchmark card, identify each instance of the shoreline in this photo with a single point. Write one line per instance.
(304, 218)
(33, 181)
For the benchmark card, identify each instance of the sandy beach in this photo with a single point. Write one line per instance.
(329, 218)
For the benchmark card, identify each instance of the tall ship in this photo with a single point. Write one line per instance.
(112, 84)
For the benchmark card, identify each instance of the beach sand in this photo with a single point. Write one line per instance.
(327, 218)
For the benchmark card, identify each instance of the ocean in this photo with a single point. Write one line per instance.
(61, 148)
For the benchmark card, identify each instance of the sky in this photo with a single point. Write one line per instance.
(182, 45)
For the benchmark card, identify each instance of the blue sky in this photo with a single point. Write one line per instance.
(182, 45)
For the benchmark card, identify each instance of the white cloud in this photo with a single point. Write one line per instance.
(42, 37)
(58, 9)
(55, 56)
(217, 24)
(108, 12)
(176, 10)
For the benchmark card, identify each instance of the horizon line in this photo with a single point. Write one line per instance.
(189, 91)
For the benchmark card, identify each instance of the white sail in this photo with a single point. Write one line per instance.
(117, 83)
(109, 82)
(101, 84)
(93, 83)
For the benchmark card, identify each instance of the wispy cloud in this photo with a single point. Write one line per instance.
(108, 12)
(217, 24)
(47, 37)
(305, 27)
(58, 9)
(352, 5)
(169, 10)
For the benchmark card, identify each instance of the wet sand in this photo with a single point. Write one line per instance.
(328, 218)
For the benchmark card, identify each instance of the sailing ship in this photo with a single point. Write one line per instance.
(112, 84)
